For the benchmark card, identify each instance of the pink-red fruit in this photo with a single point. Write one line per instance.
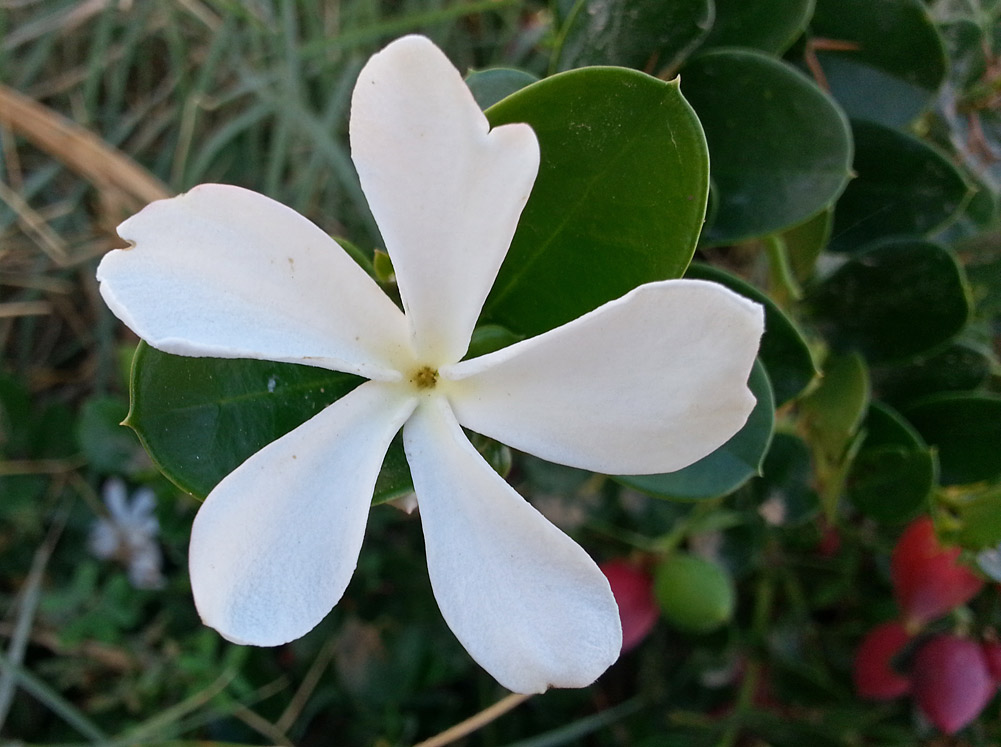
(992, 653)
(873, 672)
(928, 581)
(951, 682)
(633, 591)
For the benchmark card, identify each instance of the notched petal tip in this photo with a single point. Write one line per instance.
(422, 146)
(225, 272)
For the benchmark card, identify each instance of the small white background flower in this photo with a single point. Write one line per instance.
(648, 383)
(129, 534)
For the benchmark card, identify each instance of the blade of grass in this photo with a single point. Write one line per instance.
(475, 723)
(53, 701)
(78, 148)
(573, 732)
(403, 25)
(31, 594)
(152, 728)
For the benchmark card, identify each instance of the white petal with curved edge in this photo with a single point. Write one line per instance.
(276, 542)
(445, 190)
(225, 272)
(648, 383)
(525, 600)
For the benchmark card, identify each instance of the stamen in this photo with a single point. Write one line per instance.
(424, 378)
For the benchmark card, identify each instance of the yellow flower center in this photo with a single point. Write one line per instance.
(424, 377)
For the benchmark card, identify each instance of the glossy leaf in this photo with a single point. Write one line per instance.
(784, 352)
(898, 62)
(619, 200)
(731, 465)
(780, 147)
(200, 418)
(979, 517)
(107, 446)
(768, 25)
(893, 301)
(981, 213)
(966, 431)
(894, 472)
(786, 491)
(903, 187)
(491, 85)
(805, 242)
(966, 45)
(961, 366)
(834, 411)
(649, 35)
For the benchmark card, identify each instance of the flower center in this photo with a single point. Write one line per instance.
(424, 377)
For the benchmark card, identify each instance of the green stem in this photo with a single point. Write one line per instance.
(787, 288)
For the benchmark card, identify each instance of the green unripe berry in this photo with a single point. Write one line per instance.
(695, 595)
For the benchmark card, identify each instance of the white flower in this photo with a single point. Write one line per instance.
(128, 534)
(648, 383)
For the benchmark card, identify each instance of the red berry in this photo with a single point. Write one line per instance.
(633, 591)
(951, 682)
(830, 542)
(992, 653)
(873, 673)
(928, 581)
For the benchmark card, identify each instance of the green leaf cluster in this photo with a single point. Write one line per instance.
(807, 153)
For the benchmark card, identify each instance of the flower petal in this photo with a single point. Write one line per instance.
(647, 383)
(276, 542)
(225, 272)
(524, 599)
(445, 190)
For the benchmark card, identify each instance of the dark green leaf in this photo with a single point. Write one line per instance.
(966, 430)
(981, 213)
(787, 480)
(727, 468)
(805, 242)
(15, 415)
(902, 187)
(490, 337)
(200, 418)
(893, 301)
(492, 85)
(966, 45)
(833, 411)
(780, 147)
(767, 25)
(619, 200)
(897, 66)
(784, 352)
(979, 514)
(107, 446)
(394, 478)
(961, 366)
(893, 473)
(648, 35)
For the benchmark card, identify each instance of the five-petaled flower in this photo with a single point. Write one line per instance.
(128, 534)
(647, 383)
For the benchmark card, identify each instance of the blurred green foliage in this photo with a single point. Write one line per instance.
(855, 168)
